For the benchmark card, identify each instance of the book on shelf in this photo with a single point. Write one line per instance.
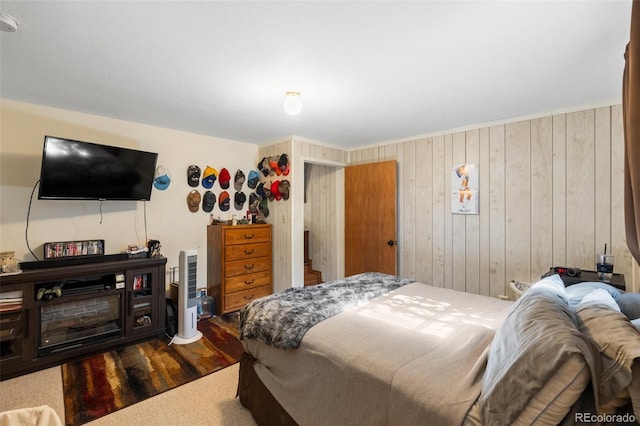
(10, 301)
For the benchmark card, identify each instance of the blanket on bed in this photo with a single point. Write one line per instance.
(412, 356)
(282, 319)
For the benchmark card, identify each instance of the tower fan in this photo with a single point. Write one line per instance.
(187, 299)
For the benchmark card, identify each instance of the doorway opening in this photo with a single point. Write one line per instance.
(324, 217)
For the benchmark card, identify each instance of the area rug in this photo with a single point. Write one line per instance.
(101, 384)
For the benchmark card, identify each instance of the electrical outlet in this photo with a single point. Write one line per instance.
(284, 218)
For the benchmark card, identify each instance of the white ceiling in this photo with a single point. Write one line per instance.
(368, 71)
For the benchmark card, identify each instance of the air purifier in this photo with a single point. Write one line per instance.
(187, 299)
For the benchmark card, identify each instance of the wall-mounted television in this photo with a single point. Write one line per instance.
(76, 170)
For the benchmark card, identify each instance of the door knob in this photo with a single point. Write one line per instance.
(390, 243)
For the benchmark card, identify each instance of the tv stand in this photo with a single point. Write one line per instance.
(34, 337)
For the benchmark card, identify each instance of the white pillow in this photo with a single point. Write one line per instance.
(578, 291)
(552, 284)
(599, 297)
(636, 322)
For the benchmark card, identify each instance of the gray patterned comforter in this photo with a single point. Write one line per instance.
(282, 319)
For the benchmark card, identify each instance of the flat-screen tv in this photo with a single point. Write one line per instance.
(76, 170)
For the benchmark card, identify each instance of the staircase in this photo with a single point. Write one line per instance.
(311, 277)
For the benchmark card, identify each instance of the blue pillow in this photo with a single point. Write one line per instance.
(577, 291)
(630, 305)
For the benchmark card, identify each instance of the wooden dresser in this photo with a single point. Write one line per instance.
(238, 265)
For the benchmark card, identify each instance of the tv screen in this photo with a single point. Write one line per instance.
(75, 170)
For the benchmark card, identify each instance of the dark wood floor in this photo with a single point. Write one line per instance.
(230, 322)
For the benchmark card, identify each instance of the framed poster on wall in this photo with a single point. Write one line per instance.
(464, 189)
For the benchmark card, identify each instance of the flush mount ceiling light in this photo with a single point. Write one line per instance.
(292, 104)
(8, 23)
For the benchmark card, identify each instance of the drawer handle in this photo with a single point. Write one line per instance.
(249, 266)
(248, 237)
(249, 251)
(249, 297)
(249, 282)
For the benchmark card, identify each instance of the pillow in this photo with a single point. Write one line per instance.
(636, 322)
(577, 292)
(599, 297)
(619, 344)
(630, 305)
(538, 363)
(552, 284)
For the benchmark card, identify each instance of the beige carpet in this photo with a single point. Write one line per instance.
(206, 401)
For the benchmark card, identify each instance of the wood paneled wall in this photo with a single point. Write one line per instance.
(550, 193)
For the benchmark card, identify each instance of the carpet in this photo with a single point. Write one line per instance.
(101, 384)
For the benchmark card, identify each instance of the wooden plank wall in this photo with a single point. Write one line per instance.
(550, 193)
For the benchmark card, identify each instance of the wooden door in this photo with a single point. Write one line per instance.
(370, 218)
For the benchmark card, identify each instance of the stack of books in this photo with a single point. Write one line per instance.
(11, 301)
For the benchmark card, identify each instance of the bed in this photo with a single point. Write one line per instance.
(376, 349)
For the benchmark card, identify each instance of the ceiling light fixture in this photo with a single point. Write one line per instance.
(8, 23)
(292, 104)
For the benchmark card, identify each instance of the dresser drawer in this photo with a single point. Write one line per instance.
(247, 266)
(237, 300)
(247, 251)
(244, 282)
(247, 234)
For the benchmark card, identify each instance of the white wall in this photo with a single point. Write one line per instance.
(580, 221)
(23, 127)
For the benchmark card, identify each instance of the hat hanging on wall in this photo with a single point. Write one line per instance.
(239, 199)
(223, 201)
(238, 180)
(263, 166)
(208, 201)
(209, 177)
(193, 200)
(254, 200)
(283, 188)
(254, 177)
(268, 195)
(283, 164)
(263, 208)
(193, 175)
(275, 191)
(162, 178)
(273, 165)
(260, 190)
(224, 178)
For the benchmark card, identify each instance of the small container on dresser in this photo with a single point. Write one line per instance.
(238, 265)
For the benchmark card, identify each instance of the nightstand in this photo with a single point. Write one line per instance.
(617, 280)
